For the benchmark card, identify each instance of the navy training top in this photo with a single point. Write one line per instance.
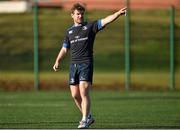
(80, 40)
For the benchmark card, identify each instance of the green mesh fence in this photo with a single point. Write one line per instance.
(149, 40)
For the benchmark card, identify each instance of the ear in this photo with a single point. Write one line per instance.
(72, 15)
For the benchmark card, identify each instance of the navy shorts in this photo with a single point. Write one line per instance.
(80, 72)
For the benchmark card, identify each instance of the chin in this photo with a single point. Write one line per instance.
(79, 22)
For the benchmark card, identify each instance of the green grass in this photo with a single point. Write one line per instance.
(111, 109)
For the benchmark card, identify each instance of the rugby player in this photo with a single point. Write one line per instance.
(79, 40)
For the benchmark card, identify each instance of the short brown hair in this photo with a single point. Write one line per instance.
(78, 7)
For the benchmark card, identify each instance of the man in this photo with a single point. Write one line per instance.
(79, 40)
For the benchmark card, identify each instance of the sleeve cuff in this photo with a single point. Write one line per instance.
(65, 45)
(99, 24)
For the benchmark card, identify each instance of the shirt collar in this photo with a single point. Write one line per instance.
(81, 24)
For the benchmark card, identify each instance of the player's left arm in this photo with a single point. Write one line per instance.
(113, 17)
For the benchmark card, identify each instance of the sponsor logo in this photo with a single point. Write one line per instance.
(72, 80)
(78, 40)
(84, 28)
(71, 31)
(82, 78)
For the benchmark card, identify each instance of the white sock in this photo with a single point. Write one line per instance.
(84, 118)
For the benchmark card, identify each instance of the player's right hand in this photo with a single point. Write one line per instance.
(123, 11)
(56, 66)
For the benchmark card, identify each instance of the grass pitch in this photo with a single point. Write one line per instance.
(50, 109)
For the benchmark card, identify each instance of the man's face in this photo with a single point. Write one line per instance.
(78, 16)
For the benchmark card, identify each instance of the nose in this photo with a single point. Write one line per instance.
(80, 15)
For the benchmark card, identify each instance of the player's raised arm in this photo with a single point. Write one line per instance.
(113, 17)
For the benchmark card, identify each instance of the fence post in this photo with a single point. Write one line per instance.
(36, 40)
(172, 80)
(127, 47)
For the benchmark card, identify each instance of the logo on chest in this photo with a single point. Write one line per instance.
(71, 31)
(84, 28)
